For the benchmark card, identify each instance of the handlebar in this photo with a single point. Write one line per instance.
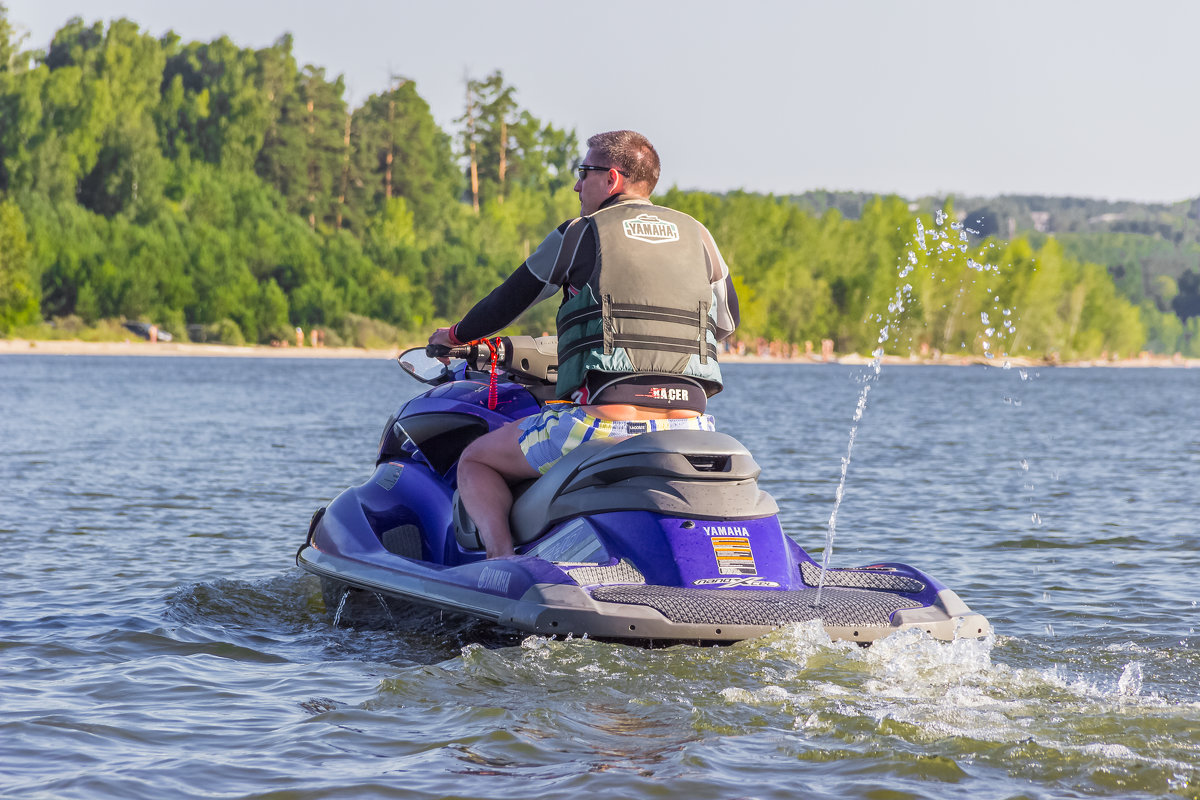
(519, 355)
(474, 353)
(441, 351)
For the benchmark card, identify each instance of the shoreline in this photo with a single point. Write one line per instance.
(140, 347)
(76, 347)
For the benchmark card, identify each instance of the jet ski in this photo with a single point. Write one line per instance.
(660, 537)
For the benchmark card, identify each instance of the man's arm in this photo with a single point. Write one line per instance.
(532, 282)
(726, 311)
(728, 315)
(501, 307)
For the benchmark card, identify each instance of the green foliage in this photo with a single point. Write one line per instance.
(358, 331)
(398, 151)
(10, 46)
(18, 284)
(1191, 338)
(74, 327)
(225, 331)
(1164, 332)
(211, 185)
(1143, 266)
(511, 147)
(909, 283)
(1186, 301)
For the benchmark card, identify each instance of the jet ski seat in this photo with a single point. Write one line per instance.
(694, 474)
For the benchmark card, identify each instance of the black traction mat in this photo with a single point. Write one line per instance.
(839, 607)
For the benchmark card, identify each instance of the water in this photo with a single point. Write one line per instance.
(156, 639)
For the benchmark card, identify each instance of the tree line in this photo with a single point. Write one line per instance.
(1150, 250)
(233, 193)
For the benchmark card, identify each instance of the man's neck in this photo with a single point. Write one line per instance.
(623, 198)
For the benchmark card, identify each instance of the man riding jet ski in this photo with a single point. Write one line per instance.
(643, 523)
(646, 297)
(663, 536)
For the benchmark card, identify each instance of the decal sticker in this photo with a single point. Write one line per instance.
(387, 479)
(494, 580)
(725, 530)
(650, 229)
(662, 393)
(734, 556)
(730, 583)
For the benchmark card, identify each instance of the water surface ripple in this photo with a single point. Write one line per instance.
(156, 639)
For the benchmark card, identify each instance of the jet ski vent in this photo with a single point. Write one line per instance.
(709, 463)
(839, 607)
(860, 579)
(623, 572)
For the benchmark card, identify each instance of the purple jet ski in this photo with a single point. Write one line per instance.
(659, 537)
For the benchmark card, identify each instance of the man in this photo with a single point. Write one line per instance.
(646, 297)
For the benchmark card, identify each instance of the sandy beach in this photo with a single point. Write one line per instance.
(138, 347)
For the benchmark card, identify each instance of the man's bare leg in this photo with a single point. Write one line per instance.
(484, 471)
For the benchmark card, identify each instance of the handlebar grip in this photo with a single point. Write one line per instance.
(437, 350)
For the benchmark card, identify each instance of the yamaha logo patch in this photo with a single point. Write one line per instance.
(650, 229)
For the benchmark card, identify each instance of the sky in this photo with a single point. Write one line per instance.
(1089, 99)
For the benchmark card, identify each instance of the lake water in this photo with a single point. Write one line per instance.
(157, 640)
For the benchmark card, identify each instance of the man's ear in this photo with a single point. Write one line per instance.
(617, 184)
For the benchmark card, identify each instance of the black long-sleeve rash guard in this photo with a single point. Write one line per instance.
(519, 292)
(549, 268)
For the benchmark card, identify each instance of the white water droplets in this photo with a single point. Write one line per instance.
(927, 247)
(1130, 682)
(337, 615)
(978, 267)
(897, 304)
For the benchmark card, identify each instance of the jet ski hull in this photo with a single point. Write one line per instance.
(664, 536)
(614, 601)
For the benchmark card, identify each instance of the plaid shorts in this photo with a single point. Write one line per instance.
(557, 430)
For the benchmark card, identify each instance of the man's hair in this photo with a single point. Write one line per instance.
(629, 152)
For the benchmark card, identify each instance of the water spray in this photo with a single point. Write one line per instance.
(943, 242)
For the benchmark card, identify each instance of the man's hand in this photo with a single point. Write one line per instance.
(442, 337)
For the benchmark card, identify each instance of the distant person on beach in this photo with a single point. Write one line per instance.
(646, 297)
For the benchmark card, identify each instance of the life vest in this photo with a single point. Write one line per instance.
(647, 306)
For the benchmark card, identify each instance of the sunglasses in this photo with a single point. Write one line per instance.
(584, 169)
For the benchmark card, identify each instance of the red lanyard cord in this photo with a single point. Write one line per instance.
(493, 391)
